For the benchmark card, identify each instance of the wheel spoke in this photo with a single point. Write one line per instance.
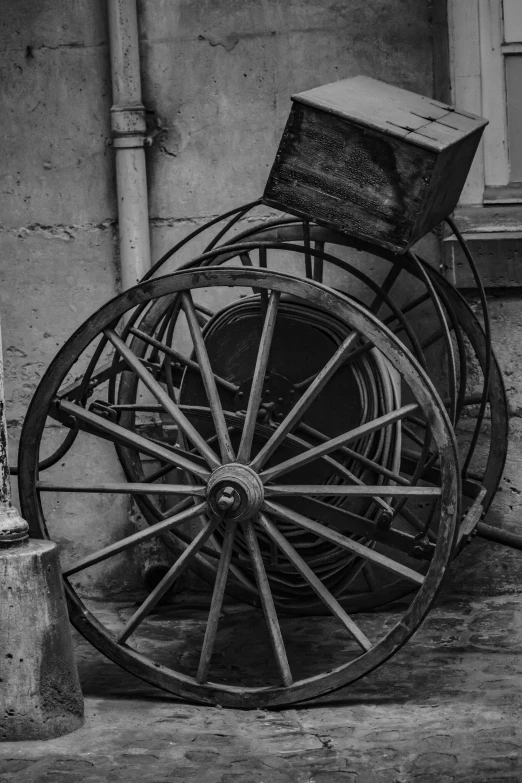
(178, 357)
(204, 310)
(247, 261)
(385, 287)
(369, 577)
(334, 443)
(346, 543)
(346, 522)
(304, 402)
(433, 338)
(106, 372)
(159, 473)
(118, 434)
(225, 445)
(344, 490)
(420, 300)
(318, 263)
(137, 538)
(170, 577)
(259, 378)
(315, 583)
(267, 601)
(217, 600)
(352, 454)
(163, 398)
(415, 522)
(408, 433)
(307, 256)
(124, 488)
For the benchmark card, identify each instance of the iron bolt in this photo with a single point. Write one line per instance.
(228, 499)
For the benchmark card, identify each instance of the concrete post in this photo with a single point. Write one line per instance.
(40, 695)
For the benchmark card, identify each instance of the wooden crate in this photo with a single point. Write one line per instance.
(372, 160)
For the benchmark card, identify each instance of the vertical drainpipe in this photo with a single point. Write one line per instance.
(128, 135)
(128, 139)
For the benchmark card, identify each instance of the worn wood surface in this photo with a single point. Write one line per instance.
(385, 108)
(372, 160)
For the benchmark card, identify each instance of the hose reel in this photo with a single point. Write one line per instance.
(284, 408)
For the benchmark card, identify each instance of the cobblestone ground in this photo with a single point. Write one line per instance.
(445, 708)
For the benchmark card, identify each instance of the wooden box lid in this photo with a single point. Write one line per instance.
(394, 111)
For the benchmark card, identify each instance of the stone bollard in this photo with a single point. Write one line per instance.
(40, 694)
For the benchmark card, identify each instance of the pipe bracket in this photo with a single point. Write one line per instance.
(128, 142)
(128, 121)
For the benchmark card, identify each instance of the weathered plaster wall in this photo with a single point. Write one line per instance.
(58, 252)
(218, 75)
(486, 568)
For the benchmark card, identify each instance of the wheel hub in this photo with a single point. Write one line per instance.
(235, 491)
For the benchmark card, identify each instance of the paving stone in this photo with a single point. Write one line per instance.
(14, 765)
(446, 709)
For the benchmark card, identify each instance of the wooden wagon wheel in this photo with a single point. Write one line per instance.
(237, 491)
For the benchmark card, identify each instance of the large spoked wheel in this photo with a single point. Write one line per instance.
(234, 476)
(422, 308)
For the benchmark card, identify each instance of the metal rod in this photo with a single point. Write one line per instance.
(163, 398)
(137, 538)
(168, 351)
(499, 536)
(331, 445)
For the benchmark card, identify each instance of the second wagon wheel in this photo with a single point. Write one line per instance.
(448, 339)
(236, 477)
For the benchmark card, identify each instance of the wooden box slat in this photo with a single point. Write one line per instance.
(373, 160)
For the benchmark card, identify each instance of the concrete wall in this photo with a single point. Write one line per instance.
(58, 236)
(217, 76)
(486, 568)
